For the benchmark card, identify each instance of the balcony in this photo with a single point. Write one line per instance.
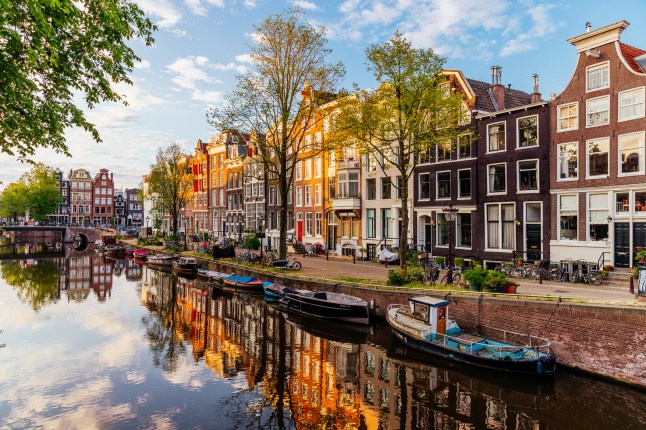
(346, 203)
(349, 164)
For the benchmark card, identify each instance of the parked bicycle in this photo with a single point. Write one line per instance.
(431, 273)
(545, 270)
(585, 272)
(452, 277)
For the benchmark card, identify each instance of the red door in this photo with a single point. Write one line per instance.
(299, 231)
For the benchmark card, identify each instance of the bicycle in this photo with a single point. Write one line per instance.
(545, 270)
(431, 273)
(453, 277)
(589, 276)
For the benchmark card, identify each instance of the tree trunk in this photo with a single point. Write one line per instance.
(403, 234)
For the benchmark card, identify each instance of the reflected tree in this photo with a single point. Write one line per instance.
(36, 285)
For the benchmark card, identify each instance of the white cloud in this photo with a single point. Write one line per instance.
(190, 70)
(307, 5)
(142, 65)
(244, 58)
(167, 16)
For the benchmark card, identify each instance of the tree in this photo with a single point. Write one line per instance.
(55, 51)
(13, 200)
(405, 117)
(43, 196)
(171, 182)
(289, 58)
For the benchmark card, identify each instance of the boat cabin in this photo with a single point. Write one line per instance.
(187, 260)
(109, 239)
(430, 310)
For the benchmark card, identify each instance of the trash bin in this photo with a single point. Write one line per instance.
(641, 281)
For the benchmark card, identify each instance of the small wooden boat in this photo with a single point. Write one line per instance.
(129, 252)
(185, 265)
(114, 250)
(276, 291)
(161, 260)
(424, 324)
(327, 306)
(242, 284)
(140, 254)
(212, 275)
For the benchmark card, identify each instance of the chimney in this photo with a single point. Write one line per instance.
(497, 89)
(588, 26)
(536, 95)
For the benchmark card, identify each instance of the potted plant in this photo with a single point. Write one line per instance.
(363, 253)
(458, 262)
(439, 261)
(496, 281)
(520, 261)
(604, 272)
(607, 267)
(476, 277)
(640, 255)
(511, 286)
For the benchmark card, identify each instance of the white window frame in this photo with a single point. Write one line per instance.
(308, 169)
(641, 156)
(594, 68)
(504, 137)
(538, 176)
(518, 132)
(318, 224)
(445, 89)
(308, 195)
(643, 101)
(299, 197)
(298, 167)
(587, 158)
(318, 194)
(559, 118)
(489, 184)
(604, 211)
(499, 231)
(588, 113)
(458, 230)
(437, 185)
(318, 167)
(459, 143)
(558, 162)
(560, 214)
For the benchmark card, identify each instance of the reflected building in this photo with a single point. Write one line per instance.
(102, 276)
(78, 277)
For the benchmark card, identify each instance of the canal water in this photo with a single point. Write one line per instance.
(92, 342)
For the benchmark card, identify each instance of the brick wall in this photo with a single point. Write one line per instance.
(608, 341)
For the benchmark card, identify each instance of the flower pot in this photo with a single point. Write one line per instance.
(473, 287)
(511, 289)
(499, 289)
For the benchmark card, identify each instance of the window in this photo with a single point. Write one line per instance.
(331, 187)
(598, 216)
(501, 228)
(371, 163)
(464, 146)
(528, 175)
(597, 77)
(398, 189)
(496, 136)
(318, 167)
(497, 183)
(568, 217)
(299, 171)
(318, 224)
(465, 114)
(299, 196)
(385, 224)
(371, 224)
(371, 189)
(621, 203)
(631, 104)
(386, 188)
(425, 155)
(318, 194)
(308, 223)
(443, 150)
(308, 169)
(442, 230)
(597, 111)
(527, 131)
(640, 203)
(308, 195)
(445, 89)
(307, 142)
(425, 186)
(318, 139)
(568, 163)
(598, 157)
(463, 229)
(444, 185)
(464, 177)
(348, 185)
(631, 151)
(567, 117)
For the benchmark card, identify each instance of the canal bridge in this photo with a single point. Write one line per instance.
(51, 234)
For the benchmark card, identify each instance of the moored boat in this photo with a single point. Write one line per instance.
(129, 252)
(328, 306)
(276, 291)
(243, 284)
(161, 260)
(185, 265)
(212, 275)
(114, 250)
(424, 324)
(140, 254)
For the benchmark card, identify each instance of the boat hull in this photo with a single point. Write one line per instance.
(243, 284)
(541, 366)
(326, 310)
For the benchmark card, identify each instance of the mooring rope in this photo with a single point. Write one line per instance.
(551, 315)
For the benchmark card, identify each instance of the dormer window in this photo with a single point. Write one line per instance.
(597, 77)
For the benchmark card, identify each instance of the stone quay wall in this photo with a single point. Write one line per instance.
(607, 341)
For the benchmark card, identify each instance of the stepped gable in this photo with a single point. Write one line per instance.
(629, 53)
(485, 100)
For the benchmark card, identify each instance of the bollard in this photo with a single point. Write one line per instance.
(540, 276)
(632, 284)
(354, 258)
(327, 255)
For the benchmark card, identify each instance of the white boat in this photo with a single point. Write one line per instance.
(185, 265)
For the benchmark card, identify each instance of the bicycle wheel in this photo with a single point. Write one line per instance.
(427, 278)
(556, 275)
(574, 277)
(594, 279)
(499, 268)
(456, 278)
(296, 265)
(518, 272)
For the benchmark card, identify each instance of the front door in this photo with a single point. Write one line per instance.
(428, 238)
(533, 242)
(299, 230)
(622, 244)
(331, 236)
(639, 236)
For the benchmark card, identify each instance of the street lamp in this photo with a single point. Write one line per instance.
(261, 231)
(450, 214)
(184, 218)
(147, 220)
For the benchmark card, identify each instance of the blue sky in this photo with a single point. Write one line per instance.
(202, 44)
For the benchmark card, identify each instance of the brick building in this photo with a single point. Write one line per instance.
(102, 195)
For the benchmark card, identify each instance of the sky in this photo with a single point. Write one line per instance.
(201, 45)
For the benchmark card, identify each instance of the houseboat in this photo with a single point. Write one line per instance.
(327, 306)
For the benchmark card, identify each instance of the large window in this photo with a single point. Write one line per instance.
(598, 216)
(386, 188)
(331, 187)
(442, 230)
(386, 228)
(597, 77)
(631, 153)
(444, 150)
(318, 167)
(464, 146)
(597, 111)
(348, 185)
(299, 196)
(500, 226)
(568, 217)
(496, 136)
(308, 195)
(308, 223)
(371, 223)
(631, 104)
(528, 131)
(568, 163)
(444, 185)
(318, 224)
(371, 189)
(299, 171)
(318, 194)
(567, 117)
(463, 229)
(497, 183)
(308, 168)
(464, 177)
(598, 157)
(528, 175)
(425, 186)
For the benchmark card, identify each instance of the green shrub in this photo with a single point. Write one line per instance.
(251, 242)
(439, 260)
(458, 261)
(396, 277)
(416, 273)
(476, 276)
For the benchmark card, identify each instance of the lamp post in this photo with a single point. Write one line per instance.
(261, 230)
(184, 218)
(147, 221)
(450, 214)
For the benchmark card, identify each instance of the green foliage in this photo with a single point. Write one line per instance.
(251, 242)
(439, 259)
(37, 191)
(640, 254)
(13, 200)
(397, 277)
(476, 276)
(36, 285)
(496, 279)
(458, 261)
